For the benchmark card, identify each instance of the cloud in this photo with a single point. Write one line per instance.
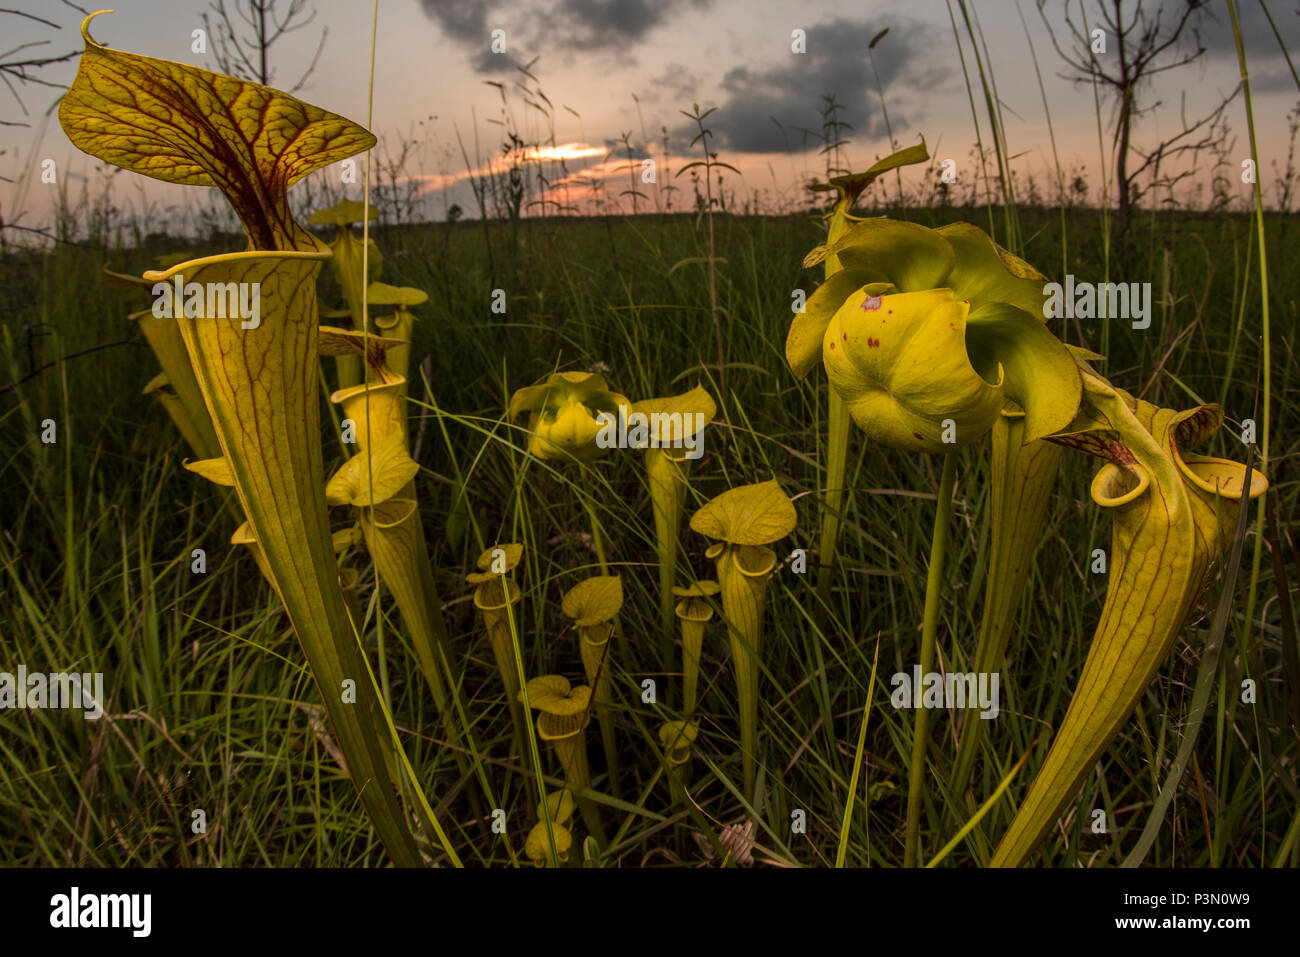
(836, 62)
(615, 23)
(1257, 36)
(458, 20)
(595, 26)
(674, 86)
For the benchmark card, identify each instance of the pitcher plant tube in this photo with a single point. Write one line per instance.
(677, 738)
(565, 713)
(494, 594)
(744, 521)
(694, 611)
(593, 605)
(391, 525)
(346, 264)
(400, 324)
(1171, 516)
(675, 433)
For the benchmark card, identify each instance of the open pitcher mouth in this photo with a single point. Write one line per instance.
(1115, 485)
(559, 727)
(322, 254)
(694, 609)
(391, 513)
(493, 595)
(753, 561)
(597, 636)
(1222, 477)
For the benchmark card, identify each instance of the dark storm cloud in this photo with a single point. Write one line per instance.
(458, 19)
(616, 23)
(570, 25)
(1257, 37)
(1269, 71)
(792, 91)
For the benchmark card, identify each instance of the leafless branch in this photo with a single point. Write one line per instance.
(243, 33)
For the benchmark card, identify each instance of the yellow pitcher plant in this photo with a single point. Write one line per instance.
(494, 594)
(675, 427)
(562, 414)
(694, 611)
(391, 525)
(1172, 513)
(537, 848)
(399, 325)
(564, 424)
(594, 604)
(1003, 296)
(378, 483)
(257, 367)
(922, 371)
(934, 338)
(745, 521)
(893, 256)
(558, 809)
(346, 264)
(838, 221)
(565, 713)
(677, 738)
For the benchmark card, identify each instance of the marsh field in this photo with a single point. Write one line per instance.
(219, 744)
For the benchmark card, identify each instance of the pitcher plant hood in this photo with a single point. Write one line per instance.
(562, 414)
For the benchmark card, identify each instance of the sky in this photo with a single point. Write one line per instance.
(612, 70)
